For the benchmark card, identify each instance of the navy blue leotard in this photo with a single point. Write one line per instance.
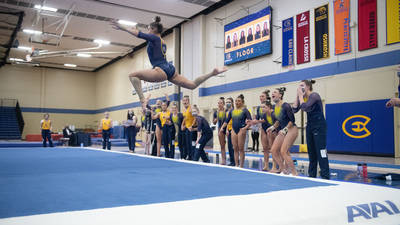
(284, 115)
(269, 121)
(221, 117)
(238, 117)
(156, 50)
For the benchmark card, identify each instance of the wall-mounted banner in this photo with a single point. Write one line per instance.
(287, 42)
(341, 10)
(321, 32)
(303, 37)
(360, 127)
(367, 25)
(392, 21)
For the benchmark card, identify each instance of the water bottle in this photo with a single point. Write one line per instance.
(295, 165)
(364, 170)
(359, 169)
(302, 170)
(217, 158)
(81, 145)
(260, 164)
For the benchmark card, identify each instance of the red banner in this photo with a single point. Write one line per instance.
(367, 24)
(303, 37)
(341, 9)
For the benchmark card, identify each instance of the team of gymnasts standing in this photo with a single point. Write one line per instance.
(164, 124)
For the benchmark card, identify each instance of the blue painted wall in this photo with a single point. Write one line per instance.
(380, 126)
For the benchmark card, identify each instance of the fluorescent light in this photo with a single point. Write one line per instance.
(25, 48)
(69, 65)
(32, 31)
(126, 22)
(84, 55)
(17, 60)
(103, 42)
(45, 8)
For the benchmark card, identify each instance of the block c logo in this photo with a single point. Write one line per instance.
(358, 128)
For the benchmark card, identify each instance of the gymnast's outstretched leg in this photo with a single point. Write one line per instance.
(158, 75)
(182, 81)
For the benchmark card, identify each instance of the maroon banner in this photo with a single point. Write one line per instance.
(303, 37)
(367, 25)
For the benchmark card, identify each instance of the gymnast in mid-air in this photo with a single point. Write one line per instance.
(162, 69)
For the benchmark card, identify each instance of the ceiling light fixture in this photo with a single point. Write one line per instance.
(45, 8)
(16, 60)
(70, 65)
(126, 22)
(25, 48)
(84, 55)
(29, 31)
(103, 42)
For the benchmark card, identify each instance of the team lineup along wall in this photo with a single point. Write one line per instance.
(248, 37)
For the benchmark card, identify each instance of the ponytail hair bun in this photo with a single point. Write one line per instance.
(309, 83)
(241, 96)
(157, 25)
(157, 19)
(281, 91)
(266, 92)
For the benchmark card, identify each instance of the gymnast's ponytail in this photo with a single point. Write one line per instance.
(309, 83)
(281, 91)
(266, 93)
(241, 97)
(157, 25)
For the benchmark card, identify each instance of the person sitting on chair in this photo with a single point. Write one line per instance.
(67, 133)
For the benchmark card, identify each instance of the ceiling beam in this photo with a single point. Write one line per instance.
(139, 9)
(20, 16)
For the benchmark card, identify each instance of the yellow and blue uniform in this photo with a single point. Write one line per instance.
(260, 115)
(239, 117)
(229, 126)
(187, 114)
(221, 117)
(315, 135)
(165, 118)
(189, 119)
(106, 133)
(156, 50)
(46, 133)
(143, 121)
(46, 124)
(106, 124)
(284, 114)
(269, 121)
(177, 120)
(230, 146)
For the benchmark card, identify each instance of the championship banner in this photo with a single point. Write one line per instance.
(303, 37)
(392, 21)
(287, 42)
(342, 26)
(367, 25)
(321, 32)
